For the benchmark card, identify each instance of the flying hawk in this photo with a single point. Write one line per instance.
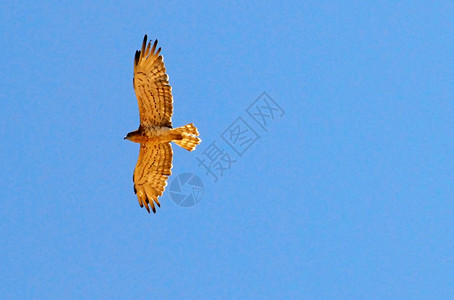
(154, 94)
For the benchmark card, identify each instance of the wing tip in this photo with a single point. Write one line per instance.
(145, 50)
(153, 48)
(151, 203)
(137, 57)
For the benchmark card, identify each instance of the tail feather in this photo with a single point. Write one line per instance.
(189, 139)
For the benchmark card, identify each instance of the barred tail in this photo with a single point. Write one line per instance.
(188, 134)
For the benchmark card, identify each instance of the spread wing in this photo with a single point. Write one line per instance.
(152, 170)
(151, 84)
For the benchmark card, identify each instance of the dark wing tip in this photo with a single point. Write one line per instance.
(144, 44)
(154, 209)
(137, 57)
(153, 48)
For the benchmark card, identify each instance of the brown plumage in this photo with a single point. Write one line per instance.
(154, 95)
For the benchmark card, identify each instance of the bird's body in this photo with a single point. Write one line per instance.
(152, 134)
(155, 132)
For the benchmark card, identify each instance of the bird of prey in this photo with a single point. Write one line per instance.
(154, 94)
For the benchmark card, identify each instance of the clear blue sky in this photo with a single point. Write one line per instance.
(347, 195)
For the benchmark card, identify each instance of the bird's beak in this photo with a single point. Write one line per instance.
(125, 138)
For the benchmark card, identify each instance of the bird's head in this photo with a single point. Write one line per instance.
(133, 136)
